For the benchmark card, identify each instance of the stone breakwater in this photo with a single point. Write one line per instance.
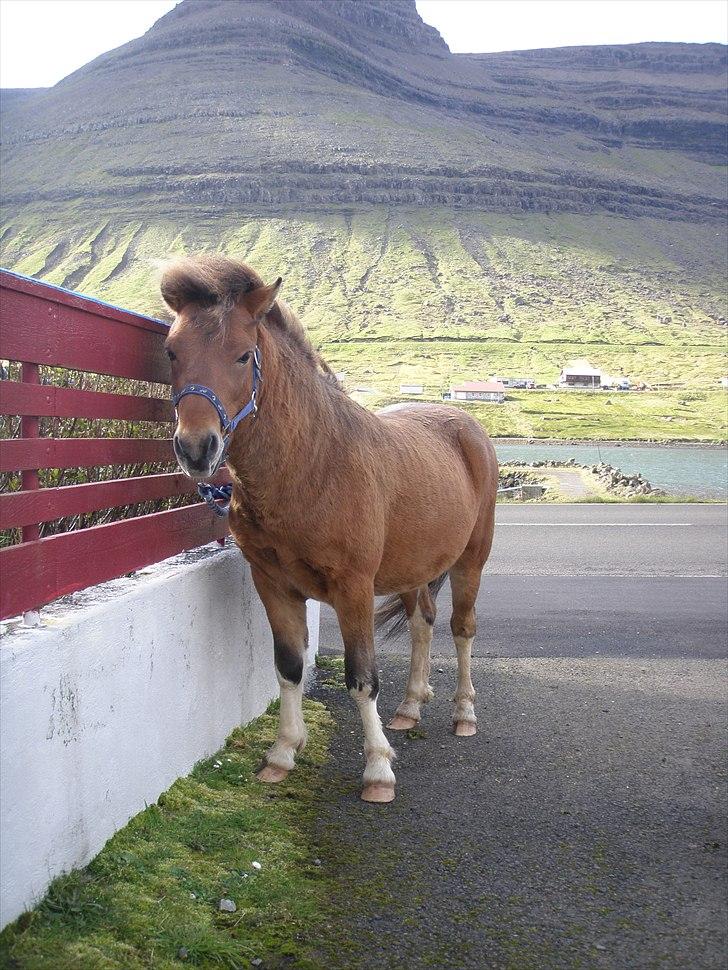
(615, 480)
(611, 478)
(512, 479)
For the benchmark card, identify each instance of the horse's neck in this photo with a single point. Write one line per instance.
(304, 429)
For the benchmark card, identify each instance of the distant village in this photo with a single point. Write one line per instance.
(579, 375)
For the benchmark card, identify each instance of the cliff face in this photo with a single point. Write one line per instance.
(312, 102)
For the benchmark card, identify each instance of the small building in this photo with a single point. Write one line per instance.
(580, 374)
(411, 389)
(527, 383)
(479, 391)
(724, 382)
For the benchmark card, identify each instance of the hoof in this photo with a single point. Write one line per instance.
(378, 793)
(401, 723)
(272, 775)
(465, 729)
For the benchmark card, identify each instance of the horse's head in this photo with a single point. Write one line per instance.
(211, 346)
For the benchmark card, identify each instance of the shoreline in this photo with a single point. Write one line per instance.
(601, 443)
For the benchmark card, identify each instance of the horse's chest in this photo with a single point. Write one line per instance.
(280, 559)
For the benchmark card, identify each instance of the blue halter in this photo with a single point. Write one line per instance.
(218, 496)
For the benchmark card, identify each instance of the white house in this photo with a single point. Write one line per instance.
(580, 374)
(411, 389)
(479, 391)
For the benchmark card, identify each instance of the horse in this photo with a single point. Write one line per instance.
(329, 501)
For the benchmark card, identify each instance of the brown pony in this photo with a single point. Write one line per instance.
(330, 501)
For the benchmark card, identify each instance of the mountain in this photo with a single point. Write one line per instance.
(315, 101)
(522, 205)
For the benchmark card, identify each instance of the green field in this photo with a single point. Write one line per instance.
(600, 415)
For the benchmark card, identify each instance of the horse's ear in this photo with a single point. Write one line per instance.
(171, 297)
(259, 301)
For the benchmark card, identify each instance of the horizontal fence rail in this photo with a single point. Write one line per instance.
(74, 560)
(41, 326)
(19, 509)
(21, 454)
(45, 326)
(69, 402)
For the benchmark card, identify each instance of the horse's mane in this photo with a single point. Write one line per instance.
(215, 284)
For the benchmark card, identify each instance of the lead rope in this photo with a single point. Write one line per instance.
(217, 497)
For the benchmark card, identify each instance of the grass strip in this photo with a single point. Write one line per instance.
(150, 899)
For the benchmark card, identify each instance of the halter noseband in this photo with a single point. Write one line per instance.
(210, 493)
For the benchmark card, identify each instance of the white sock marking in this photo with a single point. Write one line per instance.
(377, 750)
(465, 692)
(291, 728)
(418, 690)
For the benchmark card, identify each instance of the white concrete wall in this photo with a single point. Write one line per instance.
(120, 691)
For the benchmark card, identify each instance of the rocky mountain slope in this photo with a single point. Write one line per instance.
(317, 101)
(522, 204)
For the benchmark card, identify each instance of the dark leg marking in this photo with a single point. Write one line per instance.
(357, 678)
(289, 661)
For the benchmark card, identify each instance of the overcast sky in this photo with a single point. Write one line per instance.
(42, 41)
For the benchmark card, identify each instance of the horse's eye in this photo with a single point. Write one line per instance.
(244, 359)
(171, 354)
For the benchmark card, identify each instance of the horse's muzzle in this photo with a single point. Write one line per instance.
(198, 455)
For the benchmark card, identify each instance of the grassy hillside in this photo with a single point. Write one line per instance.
(397, 296)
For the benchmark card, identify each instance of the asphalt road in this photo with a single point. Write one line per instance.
(585, 824)
(594, 580)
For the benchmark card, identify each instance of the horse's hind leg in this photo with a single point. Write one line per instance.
(464, 582)
(465, 577)
(420, 607)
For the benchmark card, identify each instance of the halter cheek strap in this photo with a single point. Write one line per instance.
(212, 494)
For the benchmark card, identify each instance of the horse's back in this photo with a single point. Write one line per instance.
(441, 426)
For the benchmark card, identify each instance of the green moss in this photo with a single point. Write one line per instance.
(152, 892)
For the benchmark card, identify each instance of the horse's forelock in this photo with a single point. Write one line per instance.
(207, 281)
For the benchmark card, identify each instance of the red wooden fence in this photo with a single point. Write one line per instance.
(46, 325)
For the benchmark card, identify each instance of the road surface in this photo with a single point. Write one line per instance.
(595, 580)
(585, 824)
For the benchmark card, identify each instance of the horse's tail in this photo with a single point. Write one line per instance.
(392, 610)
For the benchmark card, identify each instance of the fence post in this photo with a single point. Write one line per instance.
(29, 425)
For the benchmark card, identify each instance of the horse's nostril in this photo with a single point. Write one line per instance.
(211, 445)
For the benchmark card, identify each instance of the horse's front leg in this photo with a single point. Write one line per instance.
(355, 611)
(286, 611)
